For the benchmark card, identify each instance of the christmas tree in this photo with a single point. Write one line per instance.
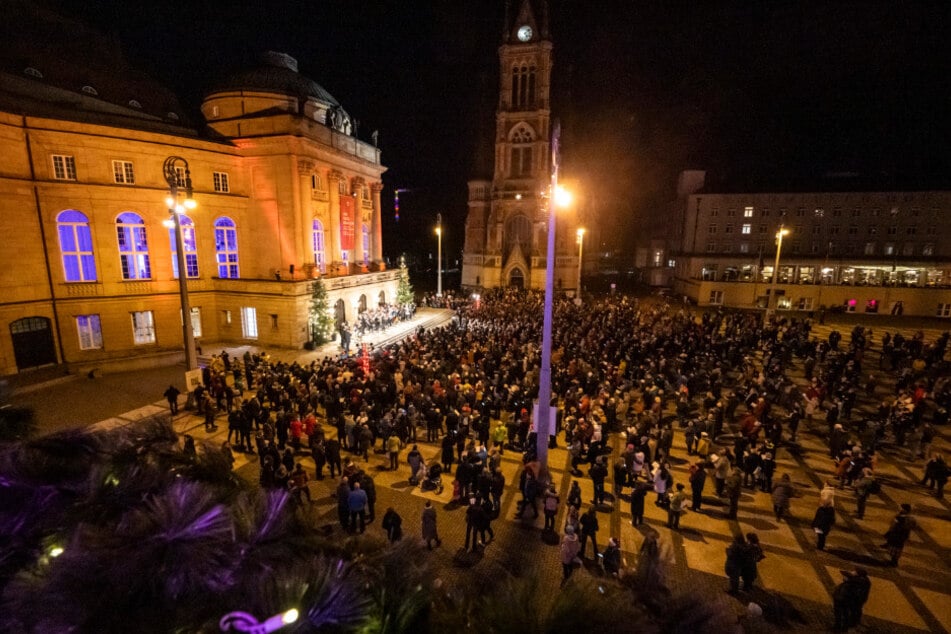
(404, 292)
(321, 321)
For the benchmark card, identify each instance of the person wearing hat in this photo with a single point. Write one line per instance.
(849, 598)
(611, 557)
(899, 532)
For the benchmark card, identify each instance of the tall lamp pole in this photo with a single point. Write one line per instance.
(580, 234)
(543, 418)
(771, 300)
(438, 255)
(175, 210)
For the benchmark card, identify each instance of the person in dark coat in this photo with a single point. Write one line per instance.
(589, 530)
(899, 532)
(849, 598)
(822, 523)
(698, 478)
(752, 557)
(393, 525)
(343, 502)
(735, 554)
(638, 494)
(171, 395)
(428, 520)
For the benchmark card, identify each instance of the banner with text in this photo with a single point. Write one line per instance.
(347, 218)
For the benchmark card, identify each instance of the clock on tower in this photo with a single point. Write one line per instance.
(525, 33)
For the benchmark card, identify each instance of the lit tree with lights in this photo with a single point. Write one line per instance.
(321, 321)
(404, 292)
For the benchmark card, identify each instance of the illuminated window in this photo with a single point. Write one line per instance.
(716, 297)
(123, 173)
(889, 248)
(190, 244)
(927, 249)
(221, 182)
(366, 245)
(226, 247)
(744, 247)
(196, 320)
(317, 239)
(747, 212)
(521, 154)
(747, 228)
(820, 212)
(75, 245)
(64, 167)
(143, 327)
(869, 248)
(90, 332)
(249, 322)
(133, 247)
(944, 310)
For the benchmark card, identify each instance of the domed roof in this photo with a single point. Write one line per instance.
(276, 73)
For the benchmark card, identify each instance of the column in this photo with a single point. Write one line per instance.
(304, 215)
(376, 228)
(358, 184)
(332, 236)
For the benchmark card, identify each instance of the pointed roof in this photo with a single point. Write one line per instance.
(526, 15)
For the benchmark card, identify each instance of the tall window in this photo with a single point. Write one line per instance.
(64, 167)
(317, 238)
(249, 322)
(221, 182)
(523, 85)
(90, 332)
(366, 245)
(189, 242)
(226, 247)
(133, 247)
(143, 327)
(521, 138)
(123, 173)
(747, 212)
(75, 245)
(747, 228)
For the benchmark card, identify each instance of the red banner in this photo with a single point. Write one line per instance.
(347, 216)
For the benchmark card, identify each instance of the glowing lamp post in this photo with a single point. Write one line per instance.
(543, 422)
(244, 622)
(580, 234)
(177, 207)
(771, 300)
(438, 255)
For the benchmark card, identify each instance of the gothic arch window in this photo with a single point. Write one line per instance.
(75, 246)
(317, 236)
(226, 247)
(518, 232)
(523, 85)
(133, 247)
(190, 245)
(521, 137)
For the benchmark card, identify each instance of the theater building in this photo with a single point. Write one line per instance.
(285, 194)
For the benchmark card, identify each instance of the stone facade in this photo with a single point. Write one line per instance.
(82, 286)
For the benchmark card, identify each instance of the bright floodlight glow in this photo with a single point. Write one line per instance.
(168, 222)
(179, 209)
(56, 551)
(290, 616)
(562, 196)
(438, 231)
(782, 232)
(580, 232)
(169, 202)
(518, 196)
(190, 203)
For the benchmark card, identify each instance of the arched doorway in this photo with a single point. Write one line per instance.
(516, 279)
(382, 299)
(32, 342)
(362, 307)
(340, 312)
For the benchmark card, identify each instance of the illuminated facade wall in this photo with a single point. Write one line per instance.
(87, 273)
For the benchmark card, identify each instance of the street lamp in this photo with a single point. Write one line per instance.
(543, 419)
(439, 255)
(175, 209)
(580, 234)
(772, 287)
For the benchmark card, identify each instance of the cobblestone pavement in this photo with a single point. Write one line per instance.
(795, 579)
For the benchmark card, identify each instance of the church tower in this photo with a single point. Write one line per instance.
(506, 225)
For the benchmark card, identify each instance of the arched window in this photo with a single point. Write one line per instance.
(317, 238)
(190, 244)
(518, 231)
(133, 247)
(226, 247)
(75, 245)
(523, 85)
(366, 245)
(521, 138)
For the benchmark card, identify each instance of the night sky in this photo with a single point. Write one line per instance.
(751, 91)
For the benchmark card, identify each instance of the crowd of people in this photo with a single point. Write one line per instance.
(642, 373)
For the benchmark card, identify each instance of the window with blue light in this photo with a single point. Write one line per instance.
(366, 245)
(133, 247)
(90, 332)
(226, 247)
(190, 247)
(317, 236)
(75, 245)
